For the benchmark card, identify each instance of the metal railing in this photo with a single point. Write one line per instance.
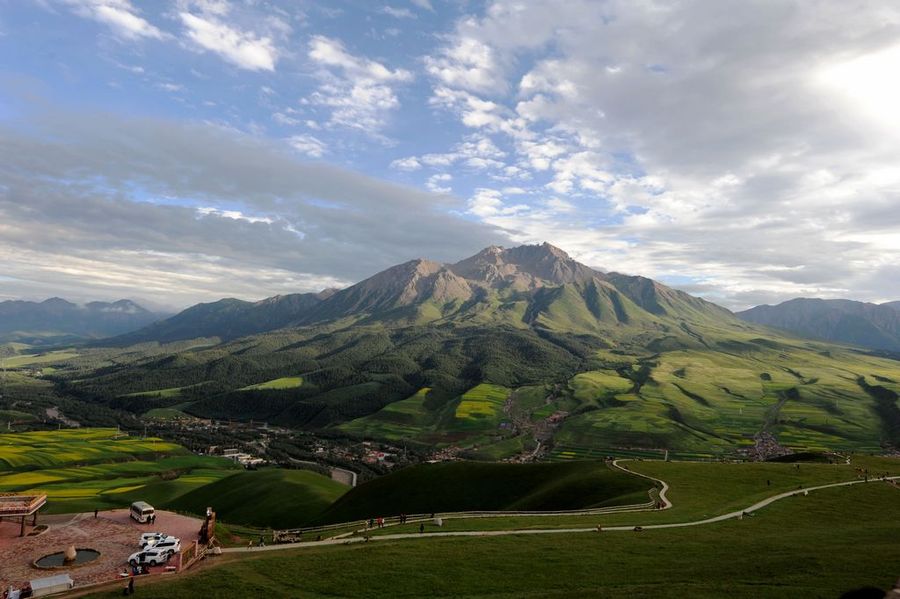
(415, 518)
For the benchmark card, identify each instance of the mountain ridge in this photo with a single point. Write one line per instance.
(875, 326)
(514, 285)
(56, 319)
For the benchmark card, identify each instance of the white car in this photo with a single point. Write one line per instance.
(151, 537)
(170, 545)
(149, 557)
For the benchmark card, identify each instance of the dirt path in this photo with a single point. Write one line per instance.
(738, 514)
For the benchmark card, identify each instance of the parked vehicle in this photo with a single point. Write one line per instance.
(142, 511)
(149, 557)
(169, 544)
(151, 537)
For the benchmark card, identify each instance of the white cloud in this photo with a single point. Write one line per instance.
(91, 203)
(735, 141)
(170, 87)
(285, 119)
(359, 91)
(438, 183)
(410, 163)
(308, 145)
(476, 152)
(467, 64)
(398, 13)
(233, 215)
(423, 4)
(244, 49)
(123, 18)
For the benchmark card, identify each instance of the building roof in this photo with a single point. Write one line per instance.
(21, 505)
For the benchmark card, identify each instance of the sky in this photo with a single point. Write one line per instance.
(178, 151)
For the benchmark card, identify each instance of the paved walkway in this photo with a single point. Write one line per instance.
(496, 533)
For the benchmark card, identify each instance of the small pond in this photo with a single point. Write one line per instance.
(58, 560)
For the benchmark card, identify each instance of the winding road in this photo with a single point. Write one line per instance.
(495, 533)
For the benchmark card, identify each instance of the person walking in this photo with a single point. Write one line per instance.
(421, 528)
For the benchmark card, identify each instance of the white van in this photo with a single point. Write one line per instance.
(142, 511)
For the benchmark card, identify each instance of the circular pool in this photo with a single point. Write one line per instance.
(58, 560)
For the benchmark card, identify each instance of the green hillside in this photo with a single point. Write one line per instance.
(466, 486)
(273, 498)
(624, 363)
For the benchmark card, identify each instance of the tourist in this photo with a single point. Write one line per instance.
(250, 544)
(262, 541)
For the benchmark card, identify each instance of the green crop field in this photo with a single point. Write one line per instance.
(464, 486)
(402, 419)
(272, 498)
(47, 449)
(39, 359)
(817, 546)
(697, 403)
(480, 407)
(86, 469)
(287, 382)
(471, 418)
(597, 384)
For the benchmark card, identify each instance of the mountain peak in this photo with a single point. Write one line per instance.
(57, 302)
(523, 267)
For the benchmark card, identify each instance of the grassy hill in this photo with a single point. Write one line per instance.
(786, 550)
(465, 486)
(266, 498)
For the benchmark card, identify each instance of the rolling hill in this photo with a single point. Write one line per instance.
(580, 360)
(465, 486)
(843, 321)
(273, 498)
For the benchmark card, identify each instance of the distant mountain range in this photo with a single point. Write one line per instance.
(59, 321)
(842, 321)
(495, 352)
(524, 286)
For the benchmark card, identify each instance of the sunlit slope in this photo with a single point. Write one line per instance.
(700, 401)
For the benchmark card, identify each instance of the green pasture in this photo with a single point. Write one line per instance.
(466, 486)
(817, 546)
(49, 357)
(271, 498)
(698, 490)
(287, 382)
